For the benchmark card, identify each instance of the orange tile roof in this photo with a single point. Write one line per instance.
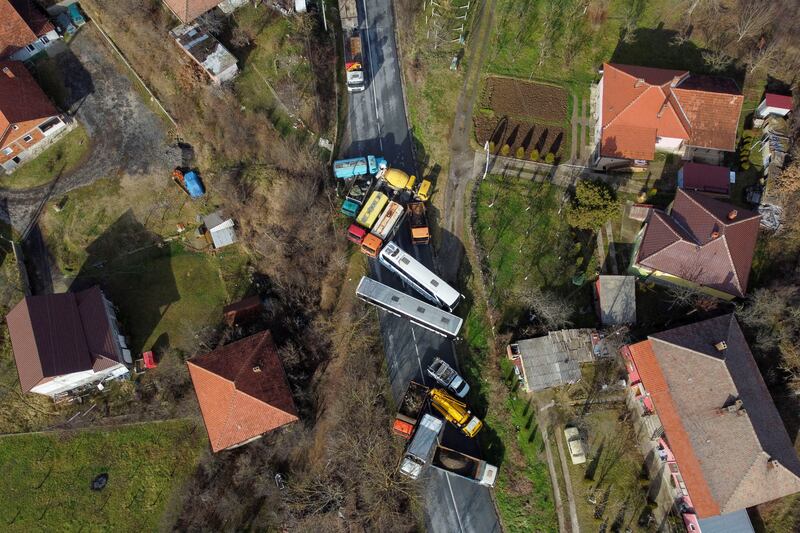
(22, 102)
(238, 402)
(14, 31)
(647, 103)
(690, 469)
(188, 10)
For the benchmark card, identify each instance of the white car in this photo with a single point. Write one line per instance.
(577, 448)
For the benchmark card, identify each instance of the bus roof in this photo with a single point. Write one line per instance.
(419, 273)
(417, 311)
(372, 209)
(388, 219)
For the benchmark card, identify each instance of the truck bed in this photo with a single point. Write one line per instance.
(413, 401)
(416, 212)
(445, 373)
(360, 188)
(456, 462)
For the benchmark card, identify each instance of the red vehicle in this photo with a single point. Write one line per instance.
(356, 234)
(411, 407)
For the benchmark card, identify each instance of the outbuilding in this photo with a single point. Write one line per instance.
(220, 229)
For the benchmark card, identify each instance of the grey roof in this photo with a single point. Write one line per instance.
(733, 448)
(617, 296)
(555, 359)
(735, 522)
(222, 232)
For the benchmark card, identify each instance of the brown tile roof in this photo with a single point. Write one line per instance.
(641, 103)
(707, 178)
(14, 31)
(22, 102)
(698, 242)
(237, 402)
(57, 334)
(34, 16)
(724, 456)
(188, 10)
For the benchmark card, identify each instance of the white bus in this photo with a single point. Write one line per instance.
(400, 304)
(422, 280)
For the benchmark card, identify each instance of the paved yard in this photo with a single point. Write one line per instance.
(127, 136)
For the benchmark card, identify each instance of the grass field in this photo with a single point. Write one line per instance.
(46, 477)
(60, 158)
(527, 242)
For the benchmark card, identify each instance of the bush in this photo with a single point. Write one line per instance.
(491, 146)
(505, 150)
(652, 192)
(549, 158)
(520, 152)
(594, 204)
(534, 155)
(745, 165)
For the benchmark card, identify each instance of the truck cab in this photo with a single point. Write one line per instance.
(356, 234)
(422, 447)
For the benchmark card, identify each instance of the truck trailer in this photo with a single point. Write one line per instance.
(446, 376)
(353, 53)
(422, 447)
(386, 225)
(410, 408)
(464, 466)
(455, 412)
(418, 220)
(366, 217)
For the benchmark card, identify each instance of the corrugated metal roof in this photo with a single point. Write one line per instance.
(555, 359)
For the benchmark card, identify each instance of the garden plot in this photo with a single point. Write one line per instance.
(522, 99)
(520, 134)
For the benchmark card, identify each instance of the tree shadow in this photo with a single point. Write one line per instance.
(657, 48)
(133, 267)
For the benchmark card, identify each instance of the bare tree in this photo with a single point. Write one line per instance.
(551, 309)
(212, 22)
(764, 55)
(716, 60)
(752, 16)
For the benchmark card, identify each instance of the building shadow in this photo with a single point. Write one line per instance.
(133, 267)
(64, 79)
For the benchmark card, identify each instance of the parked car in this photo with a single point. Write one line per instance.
(64, 23)
(577, 448)
(75, 15)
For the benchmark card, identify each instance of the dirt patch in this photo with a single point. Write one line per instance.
(518, 134)
(524, 99)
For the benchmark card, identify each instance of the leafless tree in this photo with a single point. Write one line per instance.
(764, 55)
(716, 60)
(212, 22)
(551, 309)
(752, 16)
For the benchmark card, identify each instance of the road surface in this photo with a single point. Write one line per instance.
(378, 125)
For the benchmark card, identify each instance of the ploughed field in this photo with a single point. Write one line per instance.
(522, 114)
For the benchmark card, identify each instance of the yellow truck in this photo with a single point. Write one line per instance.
(455, 412)
(372, 209)
(397, 179)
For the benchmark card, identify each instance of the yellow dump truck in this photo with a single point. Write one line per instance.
(455, 412)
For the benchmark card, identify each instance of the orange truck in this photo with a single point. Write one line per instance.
(388, 222)
(411, 407)
(418, 220)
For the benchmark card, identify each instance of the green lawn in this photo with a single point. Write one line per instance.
(46, 478)
(58, 159)
(528, 244)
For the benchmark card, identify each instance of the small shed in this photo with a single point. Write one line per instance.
(206, 51)
(616, 299)
(706, 178)
(774, 104)
(220, 229)
(555, 359)
(242, 310)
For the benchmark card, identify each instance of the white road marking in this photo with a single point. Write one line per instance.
(416, 349)
(455, 507)
(372, 80)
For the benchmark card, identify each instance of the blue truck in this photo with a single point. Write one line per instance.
(345, 169)
(357, 195)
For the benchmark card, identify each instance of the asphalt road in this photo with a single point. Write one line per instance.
(378, 125)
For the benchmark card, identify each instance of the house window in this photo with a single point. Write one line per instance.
(27, 138)
(8, 151)
(14, 127)
(31, 48)
(44, 39)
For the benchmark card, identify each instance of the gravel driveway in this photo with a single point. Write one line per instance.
(127, 136)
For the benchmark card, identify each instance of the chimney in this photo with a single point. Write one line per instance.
(639, 83)
(721, 346)
(256, 369)
(714, 234)
(675, 81)
(773, 463)
(7, 72)
(732, 214)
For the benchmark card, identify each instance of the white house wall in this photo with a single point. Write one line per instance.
(38, 45)
(76, 379)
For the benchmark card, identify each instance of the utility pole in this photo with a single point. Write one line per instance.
(324, 19)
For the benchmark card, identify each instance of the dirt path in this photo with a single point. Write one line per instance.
(553, 475)
(573, 511)
(461, 158)
(573, 149)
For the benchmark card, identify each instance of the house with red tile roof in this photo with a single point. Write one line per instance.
(25, 30)
(710, 179)
(242, 391)
(28, 119)
(641, 110)
(701, 242)
(63, 342)
(188, 10)
(707, 417)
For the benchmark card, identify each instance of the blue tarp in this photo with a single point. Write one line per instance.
(193, 184)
